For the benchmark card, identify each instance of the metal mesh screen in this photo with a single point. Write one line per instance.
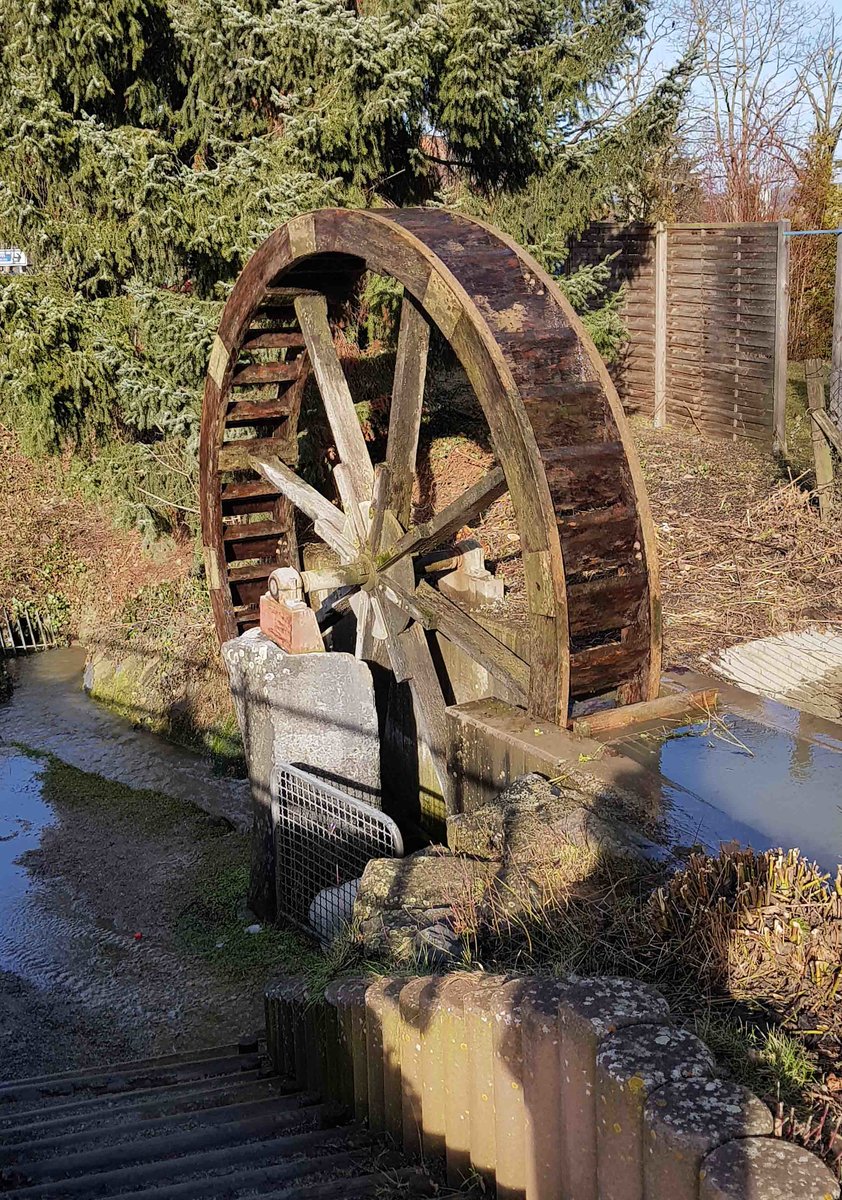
(323, 840)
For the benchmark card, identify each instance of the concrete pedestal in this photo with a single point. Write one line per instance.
(315, 711)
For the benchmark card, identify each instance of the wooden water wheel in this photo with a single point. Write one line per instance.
(590, 622)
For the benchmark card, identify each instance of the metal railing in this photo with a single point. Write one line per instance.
(23, 630)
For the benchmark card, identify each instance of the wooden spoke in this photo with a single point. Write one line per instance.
(327, 520)
(412, 663)
(451, 519)
(379, 503)
(405, 412)
(350, 501)
(330, 581)
(434, 611)
(339, 405)
(365, 620)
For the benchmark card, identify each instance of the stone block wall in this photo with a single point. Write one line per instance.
(549, 1089)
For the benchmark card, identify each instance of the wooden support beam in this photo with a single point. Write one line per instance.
(781, 336)
(660, 413)
(835, 400)
(405, 412)
(676, 704)
(829, 430)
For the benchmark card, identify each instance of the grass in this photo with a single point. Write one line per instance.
(213, 923)
(766, 1059)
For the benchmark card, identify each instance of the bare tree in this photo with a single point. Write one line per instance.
(747, 105)
(814, 259)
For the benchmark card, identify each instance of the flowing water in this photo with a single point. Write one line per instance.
(91, 964)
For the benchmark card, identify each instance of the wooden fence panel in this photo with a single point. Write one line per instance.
(723, 297)
(633, 267)
(721, 308)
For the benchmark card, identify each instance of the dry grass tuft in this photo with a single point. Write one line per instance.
(743, 552)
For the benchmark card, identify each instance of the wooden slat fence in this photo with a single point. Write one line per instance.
(705, 307)
(23, 631)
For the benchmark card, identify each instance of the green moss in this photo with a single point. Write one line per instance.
(224, 744)
(148, 812)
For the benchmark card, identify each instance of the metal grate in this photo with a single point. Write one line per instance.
(23, 630)
(323, 840)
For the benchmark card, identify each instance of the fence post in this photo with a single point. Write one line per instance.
(659, 419)
(835, 398)
(781, 336)
(813, 373)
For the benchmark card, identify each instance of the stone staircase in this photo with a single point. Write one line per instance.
(218, 1124)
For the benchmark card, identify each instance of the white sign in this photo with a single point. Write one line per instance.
(12, 259)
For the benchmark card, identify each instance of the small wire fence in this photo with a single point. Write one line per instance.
(24, 631)
(323, 839)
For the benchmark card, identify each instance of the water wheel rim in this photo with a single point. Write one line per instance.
(386, 243)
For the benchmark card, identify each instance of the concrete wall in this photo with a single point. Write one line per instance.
(572, 1089)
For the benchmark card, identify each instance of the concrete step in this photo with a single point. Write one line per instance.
(224, 1171)
(122, 1078)
(133, 1128)
(189, 1127)
(193, 1096)
(111, 1152)
(229, 1050)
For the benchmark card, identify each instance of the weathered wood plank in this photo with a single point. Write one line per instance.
(311, 311)
(676, 704)
(259, 373)
(270, 339)
(250, 412)
(822, 456)
(407, 403)
(435, 611)
(235, 455)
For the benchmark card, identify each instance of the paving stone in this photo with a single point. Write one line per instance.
(684, 1121)
(591, 1010)
(630, 1066)
(765, 1169)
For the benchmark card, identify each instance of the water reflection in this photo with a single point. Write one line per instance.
(765, 786)
(23, 816)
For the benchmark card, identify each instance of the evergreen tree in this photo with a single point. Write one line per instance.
(150, 145)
